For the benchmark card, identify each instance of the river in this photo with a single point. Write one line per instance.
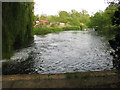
(63, 52)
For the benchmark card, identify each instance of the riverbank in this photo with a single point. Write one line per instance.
(109, 32)
(43, 31)
(97, 79)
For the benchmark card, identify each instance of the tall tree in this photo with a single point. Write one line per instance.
(116, 18)
(63, 16)
(99, 20)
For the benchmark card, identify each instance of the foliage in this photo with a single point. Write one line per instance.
(99, 20)
(36, 17)
(41, 25)
(63, 16)
(71, 28)
(17, 26)
(74, 18)
(53, 18)
(116, 18)
(43, 31)
(102, 20)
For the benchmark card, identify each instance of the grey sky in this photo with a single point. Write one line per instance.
(52, 7)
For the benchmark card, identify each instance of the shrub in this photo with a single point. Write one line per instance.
(43, 31)
(71, 28)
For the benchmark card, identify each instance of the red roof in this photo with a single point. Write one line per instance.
(43, 21)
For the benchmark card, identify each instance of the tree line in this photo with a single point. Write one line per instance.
(73, 18)
(101, 20)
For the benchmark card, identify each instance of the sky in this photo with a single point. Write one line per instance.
(52, 7)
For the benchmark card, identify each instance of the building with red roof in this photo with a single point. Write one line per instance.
(39, 21)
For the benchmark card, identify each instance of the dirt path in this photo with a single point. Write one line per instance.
(70, 80)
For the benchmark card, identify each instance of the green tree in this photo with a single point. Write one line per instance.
(116, 18)
(63, 17)
(17, 26)
(110, 11)
(100, 19)
(79, 17)
(53, 18)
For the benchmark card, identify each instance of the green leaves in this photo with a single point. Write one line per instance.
(17, 24)
(104, 19)
(74, 18)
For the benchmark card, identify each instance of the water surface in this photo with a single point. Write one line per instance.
(67, 51)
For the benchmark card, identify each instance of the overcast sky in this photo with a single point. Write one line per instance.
(52, 7)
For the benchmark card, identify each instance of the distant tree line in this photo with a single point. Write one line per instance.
(73, 18)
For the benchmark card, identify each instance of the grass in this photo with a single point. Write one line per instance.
(43, 31)
(70, 28)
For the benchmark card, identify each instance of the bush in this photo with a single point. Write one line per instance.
(43, 31)
(71, 28)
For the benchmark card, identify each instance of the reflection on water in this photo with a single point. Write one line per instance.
(68, 51)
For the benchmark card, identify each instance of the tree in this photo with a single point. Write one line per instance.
(63, 16)
(100, 20)
(116, 18)
(36, 17)
(53, 18)
(84, 12)
(79, 17)
(110, 11)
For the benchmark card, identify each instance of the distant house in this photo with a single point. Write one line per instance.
(62, 25)
(39, 21)
(47, 22)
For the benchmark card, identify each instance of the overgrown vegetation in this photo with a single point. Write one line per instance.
(43, 31)
(17, 26)
(73, 18)
(65, 21)
(105, 21)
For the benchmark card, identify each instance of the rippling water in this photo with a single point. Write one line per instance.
(67, 51)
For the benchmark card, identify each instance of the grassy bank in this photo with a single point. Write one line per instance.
(43, 31)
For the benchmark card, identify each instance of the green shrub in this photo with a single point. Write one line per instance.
(71, 28)
(43, 31)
